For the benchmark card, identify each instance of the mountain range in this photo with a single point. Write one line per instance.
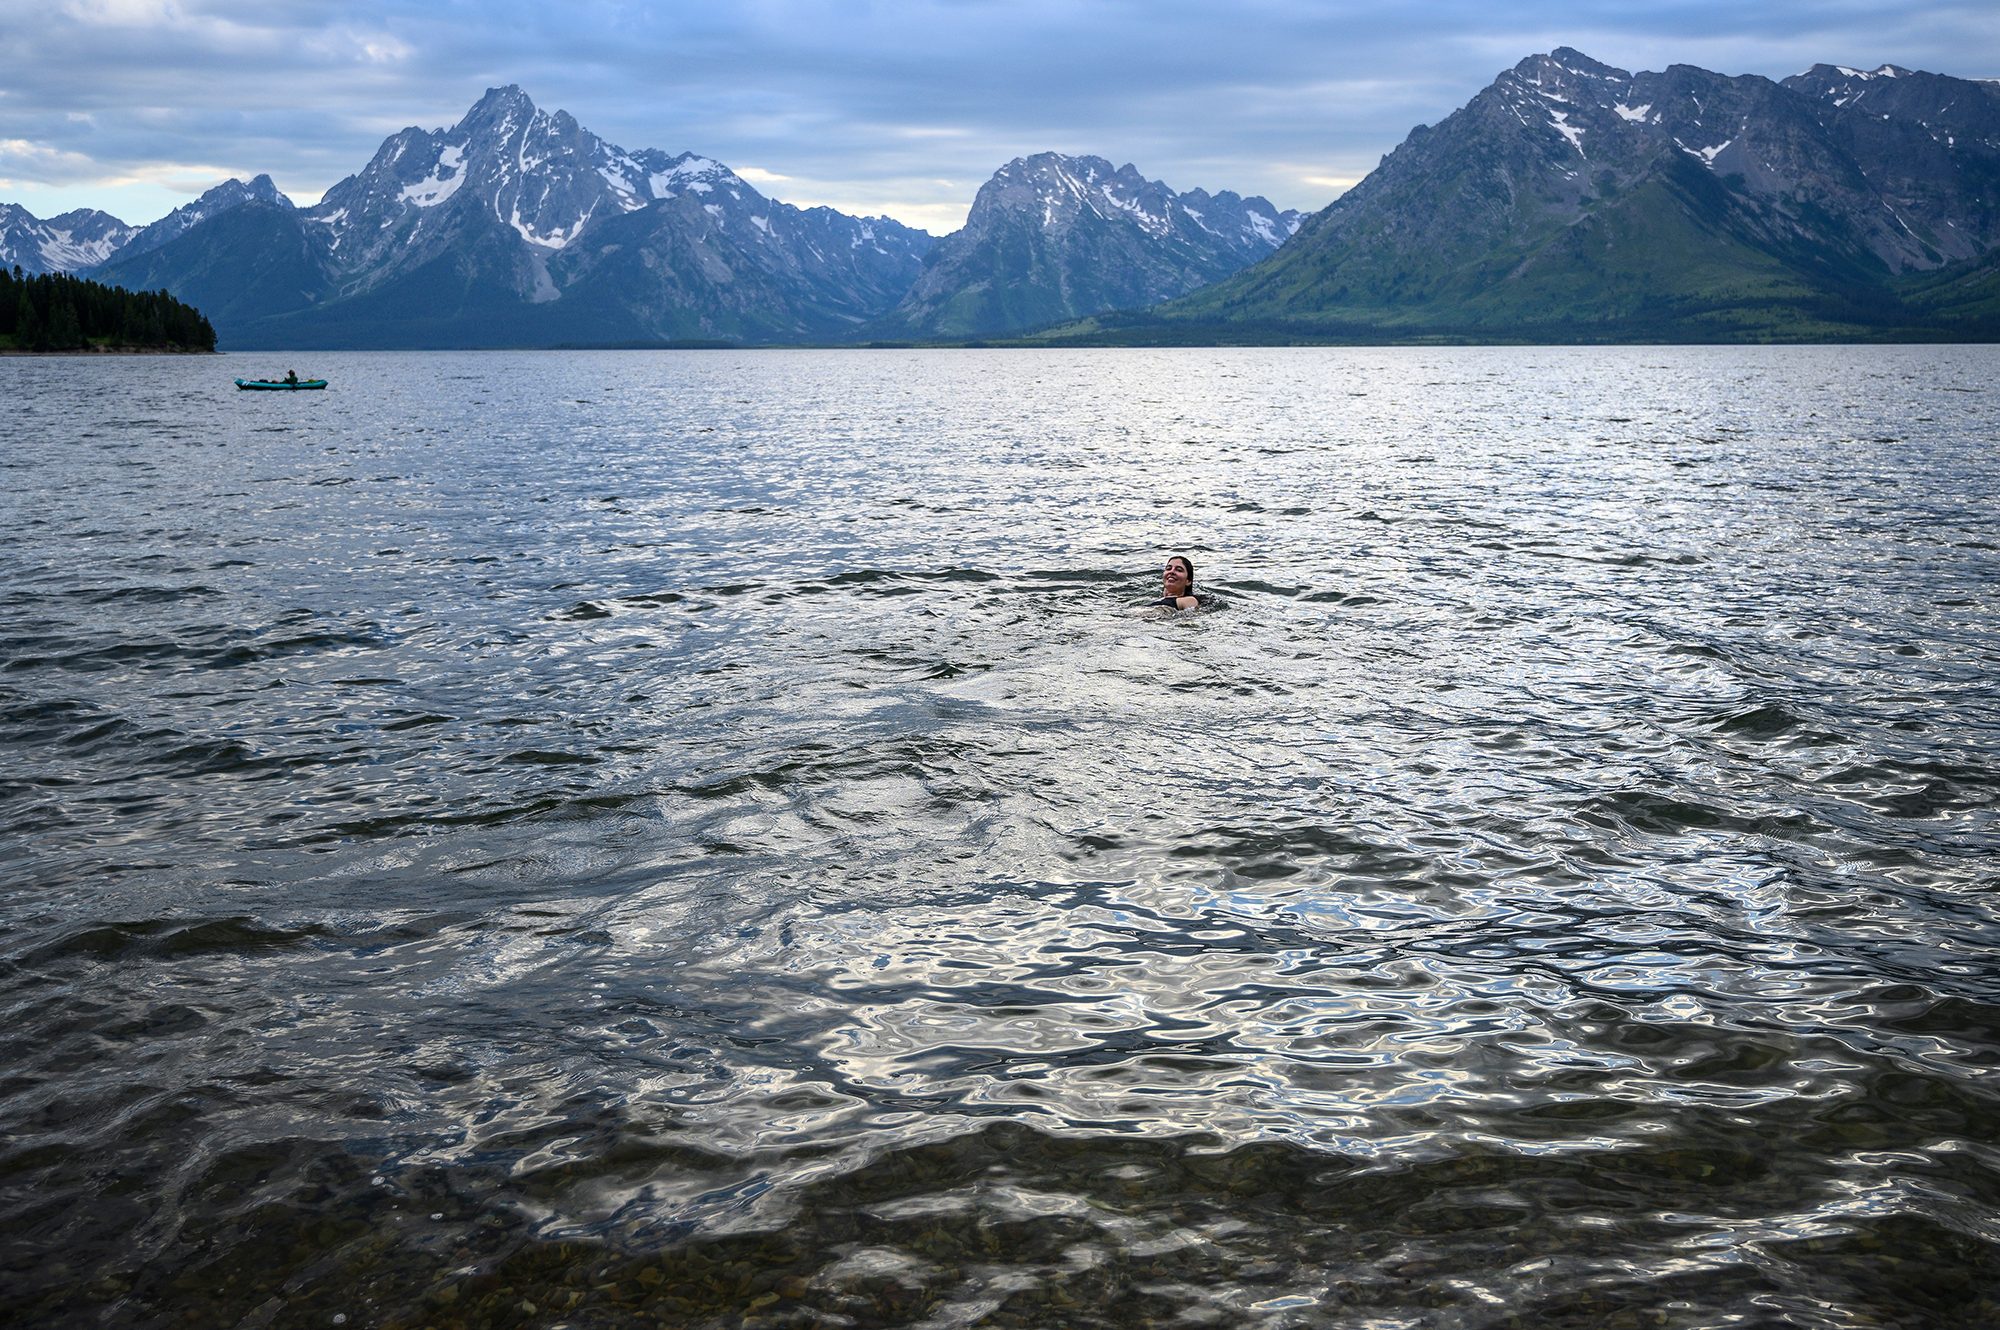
(520, 227)
(1567, 201)
(70, 242)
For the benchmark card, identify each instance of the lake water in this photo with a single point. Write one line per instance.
(709, 839)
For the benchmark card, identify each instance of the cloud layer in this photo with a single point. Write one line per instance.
(897, 106)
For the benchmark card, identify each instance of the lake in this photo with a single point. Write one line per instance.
(714, 839)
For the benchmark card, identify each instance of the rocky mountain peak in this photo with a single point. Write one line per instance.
(537, 173)
(1567, 186)
(498, 115)
(516, 218)
(1045, 174)
(1928, 146)
(1053, 236)
(1052, 189)
(230, 193)
(67, 242)
(495, 103)
(1567, 67)
(1841, 76)
(225, 197)
(1889, 92)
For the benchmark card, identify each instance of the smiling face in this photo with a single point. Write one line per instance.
(1176, 577)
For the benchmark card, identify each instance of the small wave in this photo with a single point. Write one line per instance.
(1255, 586)
(1917, 789)
(204, 757)
(1665, 815)
(584, 610)
(169, 938)
(251, 653)
(147, 595)
(540, 757)
(416, 722)
(1760, 722)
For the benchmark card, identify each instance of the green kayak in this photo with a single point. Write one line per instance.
(279, 385)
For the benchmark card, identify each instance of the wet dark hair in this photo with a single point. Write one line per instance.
(1188, 564)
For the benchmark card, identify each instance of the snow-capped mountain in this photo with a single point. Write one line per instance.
(229, 194)
(540, 174)
(1570, 198)
(518, 226)
(66, 243)
(79, 241)
(1053, 237)
(1567, 200)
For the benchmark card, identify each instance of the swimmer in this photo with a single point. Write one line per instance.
(1177, 585)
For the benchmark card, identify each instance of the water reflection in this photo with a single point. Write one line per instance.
(486, 850)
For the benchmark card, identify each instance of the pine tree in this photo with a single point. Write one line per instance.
(65, 333)
(27, 324)
(57, 312)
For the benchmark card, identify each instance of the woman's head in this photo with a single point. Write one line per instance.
(1177, 578)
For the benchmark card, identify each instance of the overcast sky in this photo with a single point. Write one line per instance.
(892, 106)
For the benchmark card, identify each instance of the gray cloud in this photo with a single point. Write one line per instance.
(897, 105)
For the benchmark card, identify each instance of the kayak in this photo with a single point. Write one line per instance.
(278, 385)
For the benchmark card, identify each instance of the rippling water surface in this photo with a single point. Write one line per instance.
(707, 839)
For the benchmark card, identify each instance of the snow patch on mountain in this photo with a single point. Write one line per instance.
(1137, 211)
(555, 238)
(443, 181)
(627, 180)
(697, 175)
(1559, 121)
(1706, 155)
(65, 243)
(1261, 227)
(69, 242)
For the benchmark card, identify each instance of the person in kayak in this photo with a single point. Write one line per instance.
(291, 376)
(1177, 585)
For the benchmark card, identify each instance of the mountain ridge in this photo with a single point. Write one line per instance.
(69, 242)
(1052, 236)
(1573, 200)
(518, 226)
(1568, 200)
(507, 229)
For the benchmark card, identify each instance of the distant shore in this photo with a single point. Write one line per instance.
(114, 351)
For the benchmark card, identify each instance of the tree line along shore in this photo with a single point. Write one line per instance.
(54, 312)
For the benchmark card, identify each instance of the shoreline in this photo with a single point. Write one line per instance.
(113, 351)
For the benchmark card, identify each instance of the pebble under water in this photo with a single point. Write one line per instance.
(709, 839)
